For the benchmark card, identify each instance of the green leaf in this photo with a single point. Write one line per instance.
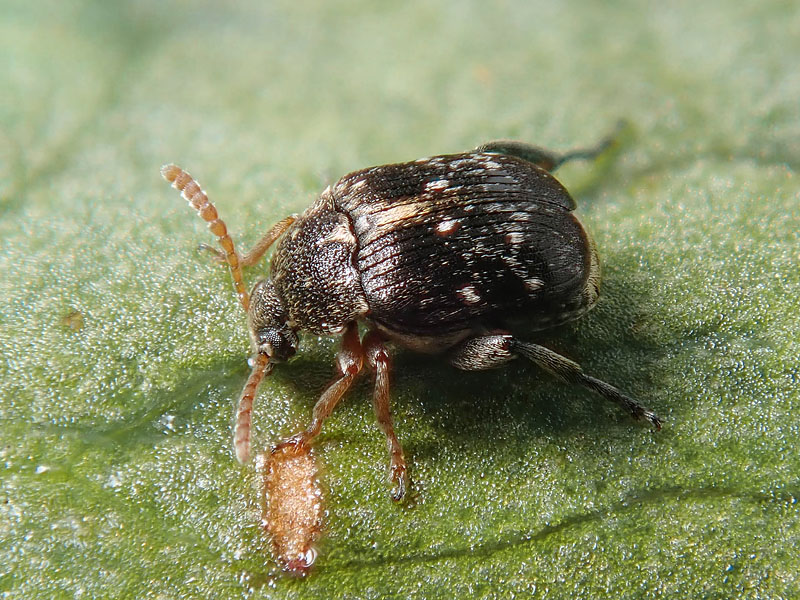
(124, 348)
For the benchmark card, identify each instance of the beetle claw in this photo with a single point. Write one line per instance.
(401, 482)
(654, 419)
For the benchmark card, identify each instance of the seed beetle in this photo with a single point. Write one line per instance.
(457, 254)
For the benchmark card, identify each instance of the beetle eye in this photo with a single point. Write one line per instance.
(277, 345)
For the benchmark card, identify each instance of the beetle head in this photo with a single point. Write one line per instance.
(270, 331)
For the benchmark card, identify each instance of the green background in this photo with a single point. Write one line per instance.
(123, 348)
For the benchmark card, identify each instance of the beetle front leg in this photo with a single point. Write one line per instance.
(378, 359)
(256, 252)
(490, 351)
(349, 361)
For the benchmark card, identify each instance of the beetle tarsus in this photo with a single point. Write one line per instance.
(608, 391)
(594, 151)
(297, 442)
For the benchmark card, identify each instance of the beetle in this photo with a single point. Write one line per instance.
(460, 255)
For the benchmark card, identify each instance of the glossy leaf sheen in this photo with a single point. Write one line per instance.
(124, 348)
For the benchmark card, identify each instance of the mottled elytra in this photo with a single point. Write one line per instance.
(460, 255)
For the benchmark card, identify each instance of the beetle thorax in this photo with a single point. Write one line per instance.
(314, 273)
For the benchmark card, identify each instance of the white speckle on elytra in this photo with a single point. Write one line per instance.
(447, 227)
(514, 238)
(522, 216)
(461, 162)
(533, 284)
(437, 185)
(358, 184)
(469, 294)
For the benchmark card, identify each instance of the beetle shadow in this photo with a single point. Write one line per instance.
(520, 400)
(205, 395)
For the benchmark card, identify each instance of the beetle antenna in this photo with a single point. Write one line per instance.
(241, 433)
(197, 199)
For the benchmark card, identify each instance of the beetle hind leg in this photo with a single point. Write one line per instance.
(550, 160)
(571, 372)
(490, 351)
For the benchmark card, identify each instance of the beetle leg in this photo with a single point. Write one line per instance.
(257, 251)
(483, 352)
(491, 351)
(541, 157)
(378, 359)
(571, 372)
(349, 361)
(548, 159)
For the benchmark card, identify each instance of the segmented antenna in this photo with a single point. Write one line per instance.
(197, 199)
(241, 433)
